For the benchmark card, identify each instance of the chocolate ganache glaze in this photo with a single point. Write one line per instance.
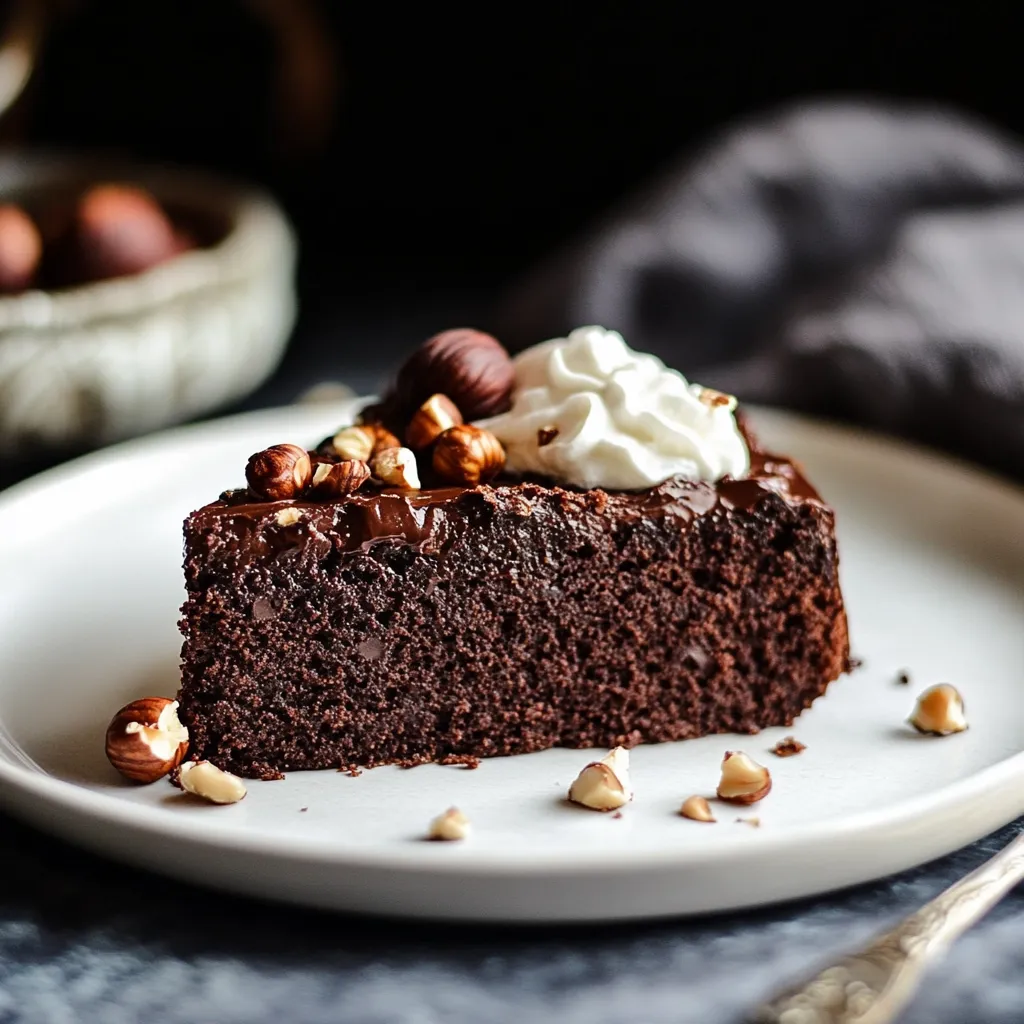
(429, 520)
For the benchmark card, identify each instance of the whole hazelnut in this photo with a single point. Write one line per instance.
(280, 472)
(145, 739)
(470, 367)
(430, 420)
(119, 230)
(21, 249)
(467, 455)
(335, 480)
(361, 442)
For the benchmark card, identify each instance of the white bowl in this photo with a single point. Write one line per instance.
(88, 365)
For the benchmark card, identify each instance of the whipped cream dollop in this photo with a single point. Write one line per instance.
(589, 411)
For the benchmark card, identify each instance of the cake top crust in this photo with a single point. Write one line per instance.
(428, 519)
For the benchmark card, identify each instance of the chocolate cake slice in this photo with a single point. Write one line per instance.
(402, 625)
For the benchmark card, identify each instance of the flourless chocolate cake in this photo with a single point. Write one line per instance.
(340, 613)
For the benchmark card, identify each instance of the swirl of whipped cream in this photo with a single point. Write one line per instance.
(589, 411)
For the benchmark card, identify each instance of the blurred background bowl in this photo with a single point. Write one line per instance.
(93, 363)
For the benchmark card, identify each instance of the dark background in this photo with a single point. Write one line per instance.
(467, 141)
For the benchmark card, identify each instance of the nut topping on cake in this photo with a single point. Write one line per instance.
(334, 480)
(280, 472)
(696, 808)
(206, 780)
(363, 442)
(470, 367)
(145, 740)
(396, 467)
(430, 420)
(450, 826)
(939, 711)
(604, 785)
(743, 781)
(468, 455)
(288, 516)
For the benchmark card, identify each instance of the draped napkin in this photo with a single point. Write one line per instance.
(855, 260)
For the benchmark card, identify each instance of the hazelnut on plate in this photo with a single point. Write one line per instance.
(145, 739)
(696, 808)
(451, 826)
(743, 781)
(939, 711)
(206, 780)
(604, 785)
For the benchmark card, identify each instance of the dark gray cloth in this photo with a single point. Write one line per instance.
(859, 261)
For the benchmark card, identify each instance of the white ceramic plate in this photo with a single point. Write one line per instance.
(933, 571)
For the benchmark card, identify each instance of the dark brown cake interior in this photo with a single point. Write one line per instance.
(497, 620)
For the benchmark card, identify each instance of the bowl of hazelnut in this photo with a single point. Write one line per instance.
(132, 298)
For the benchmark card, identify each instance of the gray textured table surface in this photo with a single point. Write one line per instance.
(83, 939)
(86, 940)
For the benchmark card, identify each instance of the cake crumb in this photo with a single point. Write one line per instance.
(302, 810)
(903, 677)
(752, 822)
(461, 760)
(856, 663)
(353, 771)
(789, 747)
(617, 814)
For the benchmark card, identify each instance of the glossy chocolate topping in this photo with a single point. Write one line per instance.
(429, 519)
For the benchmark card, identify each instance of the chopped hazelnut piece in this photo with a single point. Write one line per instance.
(939, 711)
(713, 398)
(604, 785)
(450, 826)
(743, 781)
(288, 517)
(696, 808)
(206, 780)
(397, 468)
